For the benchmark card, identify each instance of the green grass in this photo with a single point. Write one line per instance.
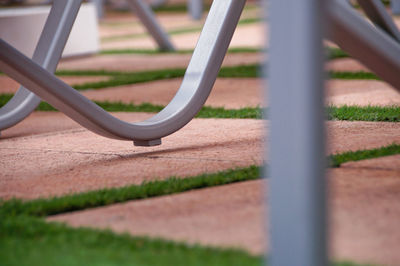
(335, 53)
(176, 31)
(122, 78)
(119, 78)
(367, 113)
(353, 75)
(26, 239)
(173, 185)
(233, 50)
(331, 52)
(338, 159)
(30, 241)
(345, 113)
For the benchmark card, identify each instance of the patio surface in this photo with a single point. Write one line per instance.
(49, 155)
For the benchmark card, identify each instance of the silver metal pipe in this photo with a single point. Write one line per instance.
(297, 198)
(47, 53)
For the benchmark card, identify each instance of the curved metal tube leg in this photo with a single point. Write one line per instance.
(196, 85)
(47, 53)
(371, 46)
(376, 11)
(195, 8)
(146, 16)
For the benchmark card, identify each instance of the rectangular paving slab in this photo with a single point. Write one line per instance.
(53, 156)
(235, 93)
(364, 215)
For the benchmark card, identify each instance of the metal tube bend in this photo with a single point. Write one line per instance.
(197, 83)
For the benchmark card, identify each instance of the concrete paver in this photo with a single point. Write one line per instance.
(234, 93)
(8, 85)
(250, 35)
(140, 62)
(65, 154)
(364, 216)
(346, 64)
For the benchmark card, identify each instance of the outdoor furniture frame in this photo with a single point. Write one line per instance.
(197, 83)
(51, 45)
(372, 46)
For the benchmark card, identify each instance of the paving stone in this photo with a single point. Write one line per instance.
(230, 93)
(140, 62)
(364, 216)
(250, 35)
(70, 157)
(234, 93)
(382, 163)
(8, 85)
(53, 160)
(361, 93)
(346, 64)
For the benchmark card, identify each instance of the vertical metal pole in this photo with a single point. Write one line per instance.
(146, 16)
(99, 7)
(195, 8)
(297, 159)
(395, 4)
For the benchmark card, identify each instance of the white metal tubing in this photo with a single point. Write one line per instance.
(297, 160)
(146, 16)
(47, 53)
(99, 7)
(376, 11)
(370, 45)
(395, 4)
(195, 8)
(196, 85)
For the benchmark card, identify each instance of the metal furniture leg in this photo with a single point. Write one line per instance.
(47, 53)
(195, 88)
(395, 4)
(99, 7)
(370, 45)
(195, 8)
(146, 16)
(297, 198)
(376, 11)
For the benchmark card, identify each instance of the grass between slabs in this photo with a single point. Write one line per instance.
(331, 52)
(172, 185)
(119, 78)
(177, 31)
(26, 239)
(233, 50)
(338, 159)
(344, 113)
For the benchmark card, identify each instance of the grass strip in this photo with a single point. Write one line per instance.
(353, 75)
(335, 53)
(30, 241)
(26, 239)
(176, 31)
(366, 113)
(119, 78)
(343, 113)
(233, 50)
(338, 159)
(172, 185)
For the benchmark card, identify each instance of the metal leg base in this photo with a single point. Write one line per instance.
(147, 143)
(197, 83)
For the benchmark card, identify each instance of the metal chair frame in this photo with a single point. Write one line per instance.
(373, 46)
(197, 83)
